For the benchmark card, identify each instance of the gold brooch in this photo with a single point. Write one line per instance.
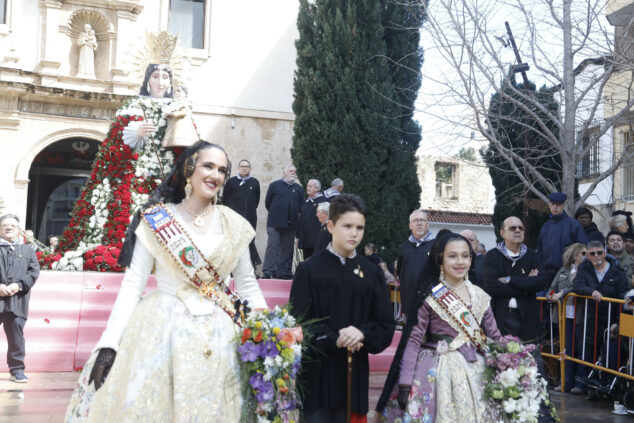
(358, 271)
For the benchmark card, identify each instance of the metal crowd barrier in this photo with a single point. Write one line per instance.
(557, 318)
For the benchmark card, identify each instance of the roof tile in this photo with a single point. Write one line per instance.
(442, 216)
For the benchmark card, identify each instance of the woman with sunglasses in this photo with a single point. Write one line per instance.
(561, 286)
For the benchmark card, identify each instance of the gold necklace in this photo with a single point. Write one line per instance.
(198, 218)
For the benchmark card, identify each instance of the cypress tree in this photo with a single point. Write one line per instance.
(347, 124)
(519, 131)
(402, 20)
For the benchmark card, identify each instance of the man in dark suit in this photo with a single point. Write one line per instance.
(412, 255)
(242, 194)
(19, 270)
(324, 237)
(283, 200)
(308, 229)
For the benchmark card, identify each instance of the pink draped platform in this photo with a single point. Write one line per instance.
(69, 310)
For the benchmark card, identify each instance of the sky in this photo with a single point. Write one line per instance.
(436, 111)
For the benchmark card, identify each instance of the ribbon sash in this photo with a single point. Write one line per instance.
(189, 259)
(462, 319)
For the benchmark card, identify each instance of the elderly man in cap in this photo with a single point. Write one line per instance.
(558, 233)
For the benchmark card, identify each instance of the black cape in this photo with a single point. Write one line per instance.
(243, 199)
(324, 237)
(323, 288)
(308, 228)
(410, 261)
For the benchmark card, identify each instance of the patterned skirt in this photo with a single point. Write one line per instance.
(171, 366)
(446, 389)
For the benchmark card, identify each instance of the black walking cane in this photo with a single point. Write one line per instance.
(349, 399)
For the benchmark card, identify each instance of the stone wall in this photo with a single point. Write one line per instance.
(472, 188)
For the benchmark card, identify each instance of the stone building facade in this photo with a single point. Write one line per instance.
(458, 195)
(237, 66)
(451, 184)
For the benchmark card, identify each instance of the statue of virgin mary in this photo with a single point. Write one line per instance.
(131, 161)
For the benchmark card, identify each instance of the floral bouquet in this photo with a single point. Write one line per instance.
(513, 387)
(270, 347)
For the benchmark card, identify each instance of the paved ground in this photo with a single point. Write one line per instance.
(44, 399)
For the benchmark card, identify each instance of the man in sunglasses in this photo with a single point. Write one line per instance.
(558, 233)
(512, 277)
(598, 277)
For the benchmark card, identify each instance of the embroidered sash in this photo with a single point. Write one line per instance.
(192, 262)
(457, 315)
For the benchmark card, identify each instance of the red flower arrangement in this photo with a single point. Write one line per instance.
(117, 163)
(47, 259)
(102, 258)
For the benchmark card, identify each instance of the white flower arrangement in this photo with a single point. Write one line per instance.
(101, 196)
(71, 261)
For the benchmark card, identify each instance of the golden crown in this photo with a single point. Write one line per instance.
(161, 46)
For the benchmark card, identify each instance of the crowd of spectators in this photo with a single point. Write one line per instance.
(297, 217)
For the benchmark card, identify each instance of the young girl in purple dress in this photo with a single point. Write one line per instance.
(436, 375)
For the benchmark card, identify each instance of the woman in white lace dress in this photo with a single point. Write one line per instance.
(170, 356)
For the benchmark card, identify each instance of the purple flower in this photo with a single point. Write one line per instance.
(249, 351)
(268, 349)
(257, 380)
(508, 361)
(266, 393)
(297, 364)
(263, 389)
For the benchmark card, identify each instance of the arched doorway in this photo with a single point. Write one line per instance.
(57, 175)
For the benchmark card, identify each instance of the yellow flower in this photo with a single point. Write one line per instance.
(287, 354)
(280, 382)
(258, 324)
(276, 330)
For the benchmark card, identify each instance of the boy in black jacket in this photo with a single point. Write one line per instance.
(348, 295)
